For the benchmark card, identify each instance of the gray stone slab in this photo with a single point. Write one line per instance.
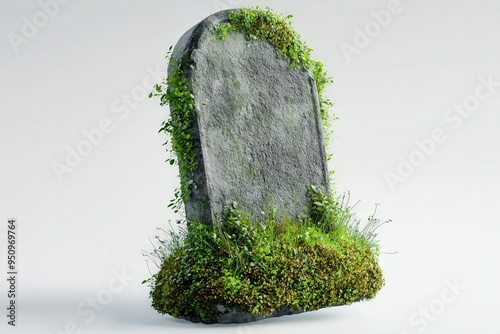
(257, 128)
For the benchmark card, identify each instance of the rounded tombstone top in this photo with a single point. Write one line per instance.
(256, 127)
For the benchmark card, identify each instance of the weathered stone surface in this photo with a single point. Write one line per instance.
(257, 129)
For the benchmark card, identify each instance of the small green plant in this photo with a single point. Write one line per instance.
(329, 212)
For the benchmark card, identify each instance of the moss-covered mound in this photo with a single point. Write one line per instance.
(263, 266)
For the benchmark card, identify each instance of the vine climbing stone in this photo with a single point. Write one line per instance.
(256, 127)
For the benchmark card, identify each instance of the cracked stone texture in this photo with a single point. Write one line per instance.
(257, 130)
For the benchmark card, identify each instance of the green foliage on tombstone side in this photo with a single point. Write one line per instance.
(260, 265)
(174, 92)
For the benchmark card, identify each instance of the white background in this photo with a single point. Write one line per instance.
(77, 68)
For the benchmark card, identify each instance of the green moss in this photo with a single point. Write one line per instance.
(261, 265)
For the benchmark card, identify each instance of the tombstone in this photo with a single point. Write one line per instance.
(256, 127)
(246, 128)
